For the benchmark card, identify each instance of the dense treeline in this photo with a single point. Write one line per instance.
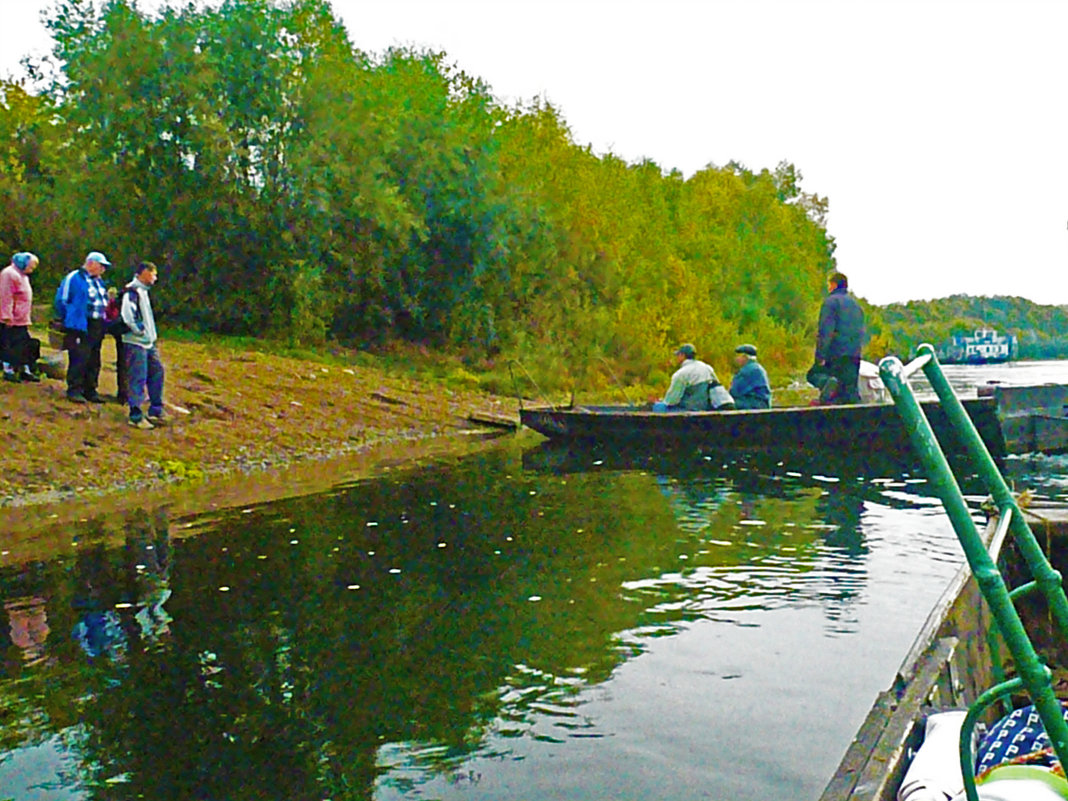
(290, 185)
(1041, 331)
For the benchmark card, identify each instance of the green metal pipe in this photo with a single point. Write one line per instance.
(1034, 675)
(997, 661)
(1048, 579)
(975, 711)
(1023, 589)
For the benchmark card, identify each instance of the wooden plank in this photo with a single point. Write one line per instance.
(382, 396)
(494, 420)
(859, 752)
(875, 762)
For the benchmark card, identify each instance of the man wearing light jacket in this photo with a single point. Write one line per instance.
(143, 366)
(692, 386)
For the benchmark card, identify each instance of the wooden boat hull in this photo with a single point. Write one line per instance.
(861, 427)
(948, 666)
(1009, 419)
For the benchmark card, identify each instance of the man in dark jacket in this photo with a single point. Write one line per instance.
(840, 337)
(81, 304)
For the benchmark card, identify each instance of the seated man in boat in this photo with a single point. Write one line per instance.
(749, 387)
(694, 386)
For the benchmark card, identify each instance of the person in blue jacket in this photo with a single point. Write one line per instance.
(81, 306)
(749, 387)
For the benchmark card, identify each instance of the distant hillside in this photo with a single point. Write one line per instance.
(1042, 331)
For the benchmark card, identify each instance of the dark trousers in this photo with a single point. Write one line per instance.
(847, 370)
(120, 365)
(18, 348)
(146, 372)
(83, 351)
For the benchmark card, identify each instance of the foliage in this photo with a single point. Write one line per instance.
(294, 187)
(1041, 331)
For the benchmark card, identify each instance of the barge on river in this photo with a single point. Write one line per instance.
(1010, 419)
(950, 663)
(985, 346)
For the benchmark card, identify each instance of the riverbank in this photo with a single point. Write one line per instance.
(231, 411)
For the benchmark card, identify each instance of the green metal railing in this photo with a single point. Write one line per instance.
(1032, 675)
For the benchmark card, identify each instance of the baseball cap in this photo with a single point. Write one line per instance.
(687, 350)
(99, 258)
(749, 350)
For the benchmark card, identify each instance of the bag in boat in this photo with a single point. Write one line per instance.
(719, 397)
(817, 375)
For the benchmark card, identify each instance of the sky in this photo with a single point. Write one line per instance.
(936, 129)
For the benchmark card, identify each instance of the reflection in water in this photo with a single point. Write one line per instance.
(28, 619)
(567, 625)
(24, 626)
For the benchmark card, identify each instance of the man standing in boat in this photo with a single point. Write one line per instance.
(839, 339)
(691, 386)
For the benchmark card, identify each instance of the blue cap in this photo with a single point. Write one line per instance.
(22, 260)
(99, 258)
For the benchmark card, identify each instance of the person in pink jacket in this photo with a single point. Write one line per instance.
(19, 350)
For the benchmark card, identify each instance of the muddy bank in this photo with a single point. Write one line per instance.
(240, 422)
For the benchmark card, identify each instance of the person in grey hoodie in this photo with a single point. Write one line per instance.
(143, 366)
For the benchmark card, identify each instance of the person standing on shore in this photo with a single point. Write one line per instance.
(81, 304)
(840, 338)
(20, 350)
(143, 366)
(115, 329)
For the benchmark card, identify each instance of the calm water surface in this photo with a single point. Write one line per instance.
(517, 625)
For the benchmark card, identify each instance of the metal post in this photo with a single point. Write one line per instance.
(1047, 579)
(1033, 674)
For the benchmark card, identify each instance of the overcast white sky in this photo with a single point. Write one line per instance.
(935, 128)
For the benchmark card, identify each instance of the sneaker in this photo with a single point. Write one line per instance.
(157, 420)
(76, 397)
(141, 423)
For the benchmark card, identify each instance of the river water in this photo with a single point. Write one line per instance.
(524, 623)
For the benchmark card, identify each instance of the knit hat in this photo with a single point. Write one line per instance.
(22, 260)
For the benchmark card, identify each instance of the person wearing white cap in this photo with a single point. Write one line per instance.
(81, 305)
